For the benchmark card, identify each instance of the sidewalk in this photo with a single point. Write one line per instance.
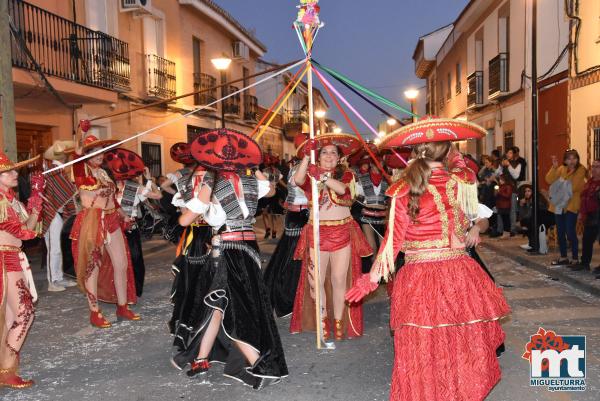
(510, 248)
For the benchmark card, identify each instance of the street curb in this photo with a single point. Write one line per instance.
(553, 273)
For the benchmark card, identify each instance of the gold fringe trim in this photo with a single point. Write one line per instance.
(493, 319)
(333, 223)
(467, 198)
(4, 205)
(434, 255)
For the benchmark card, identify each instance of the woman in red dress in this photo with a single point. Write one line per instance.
(100, 251)
(342, 243)
(444, 308)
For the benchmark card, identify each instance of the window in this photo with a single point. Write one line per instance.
(193, 132)
(449, 88)
(154, 36)
(596, 150)
(509, 139)
(245, 74)
(196, 60)
(458, 87)
(151, 154)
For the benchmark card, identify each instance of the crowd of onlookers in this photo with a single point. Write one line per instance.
(572, 197)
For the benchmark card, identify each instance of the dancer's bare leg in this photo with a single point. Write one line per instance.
(249, 353)
(118, 256)
(91, 289)
(210, 334)
(19, 316)
(340, 262)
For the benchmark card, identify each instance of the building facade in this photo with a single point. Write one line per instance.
(481, 73)
(92, 58)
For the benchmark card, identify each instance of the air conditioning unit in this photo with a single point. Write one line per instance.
(241, 51)
(139, 6)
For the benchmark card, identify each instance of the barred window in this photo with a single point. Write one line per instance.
(509, 140)
(151, 154)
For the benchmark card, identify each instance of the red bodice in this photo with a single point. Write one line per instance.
(341, 200)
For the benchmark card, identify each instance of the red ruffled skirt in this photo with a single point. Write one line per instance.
(332, 238)
(90, 229)
(445, 316)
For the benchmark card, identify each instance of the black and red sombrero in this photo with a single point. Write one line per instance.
(124, 164)
(392, 160)
(181, 153)
(362, 156)
(226, 149)
(432, 130)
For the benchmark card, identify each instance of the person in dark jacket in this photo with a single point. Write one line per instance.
(506, 188)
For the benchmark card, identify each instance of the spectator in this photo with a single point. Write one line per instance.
(506, 188)
(487, 170)
(589, 214)
(525, 195)
(566, 183)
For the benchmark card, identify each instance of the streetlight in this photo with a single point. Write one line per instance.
(320, 115)
(337, 130)
(411, 95)
(534, 128)
(391, 122)
(222, 64)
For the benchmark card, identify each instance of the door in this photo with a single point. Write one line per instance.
(32, 140)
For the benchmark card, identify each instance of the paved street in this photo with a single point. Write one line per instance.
(72, 361)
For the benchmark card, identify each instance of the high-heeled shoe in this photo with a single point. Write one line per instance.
(9, 378)
(124, 313)
(326, 329)
(338, 328)
(97, 320)
(199, 367)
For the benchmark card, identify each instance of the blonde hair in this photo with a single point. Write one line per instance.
(418, 172)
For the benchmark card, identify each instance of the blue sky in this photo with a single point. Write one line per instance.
(372, 41)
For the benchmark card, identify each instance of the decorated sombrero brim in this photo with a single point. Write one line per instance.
(7, 165)
(59, 150)
(432, 130)
(226, 149)
(123, 163)
(363, 156)
(348, 144)
(90, 142)
(181, 153)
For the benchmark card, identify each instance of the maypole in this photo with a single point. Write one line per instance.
(307, 25)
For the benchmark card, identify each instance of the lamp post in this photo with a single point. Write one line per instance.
(411, 95)
(534, 125)
(222, 64)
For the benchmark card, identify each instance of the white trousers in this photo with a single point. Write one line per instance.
(54, 253)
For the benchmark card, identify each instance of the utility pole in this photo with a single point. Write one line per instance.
(6, 85)
(534, 125)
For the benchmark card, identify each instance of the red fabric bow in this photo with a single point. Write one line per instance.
(234, 179)
(376, 178)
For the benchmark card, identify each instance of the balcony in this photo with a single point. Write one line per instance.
(67, 50)
(475, 89)
(498, 75)
(161, 77)
(293, 121)
(232, 104)
(250, 108)
(206, 83)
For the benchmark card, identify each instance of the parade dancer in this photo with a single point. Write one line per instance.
(272, 207)
(17, 290)
(342, 243)
(60, 194)
(283, 271)
(190, 260)
(370, 190)
(234, 318)
(100, 251)
(442, 299)
(127, 168)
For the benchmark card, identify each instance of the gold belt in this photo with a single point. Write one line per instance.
(434, 255)
(9, 248)
(334, 222)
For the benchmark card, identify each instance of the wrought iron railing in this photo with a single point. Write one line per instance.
(498, 75)
(475, 89)
(202, 82)
(250, 108)
(295, 116)
(67, 50)
(161, 81)
(232, 104)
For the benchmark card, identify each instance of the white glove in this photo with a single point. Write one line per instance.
(177, 200)
(197, 206)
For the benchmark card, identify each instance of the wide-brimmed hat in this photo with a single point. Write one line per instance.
(226, 149)
(91, 142)
(362, 156)
(181, 152)
(123, 163)
(59, 150)
(392, 160)
(348, 144)
(432, 130)
(6, 164)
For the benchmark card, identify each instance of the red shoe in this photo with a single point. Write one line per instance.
(199, 367)
(10, 379)
(97, 320)
(124, 313)
(326, 329)
(338, 329)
